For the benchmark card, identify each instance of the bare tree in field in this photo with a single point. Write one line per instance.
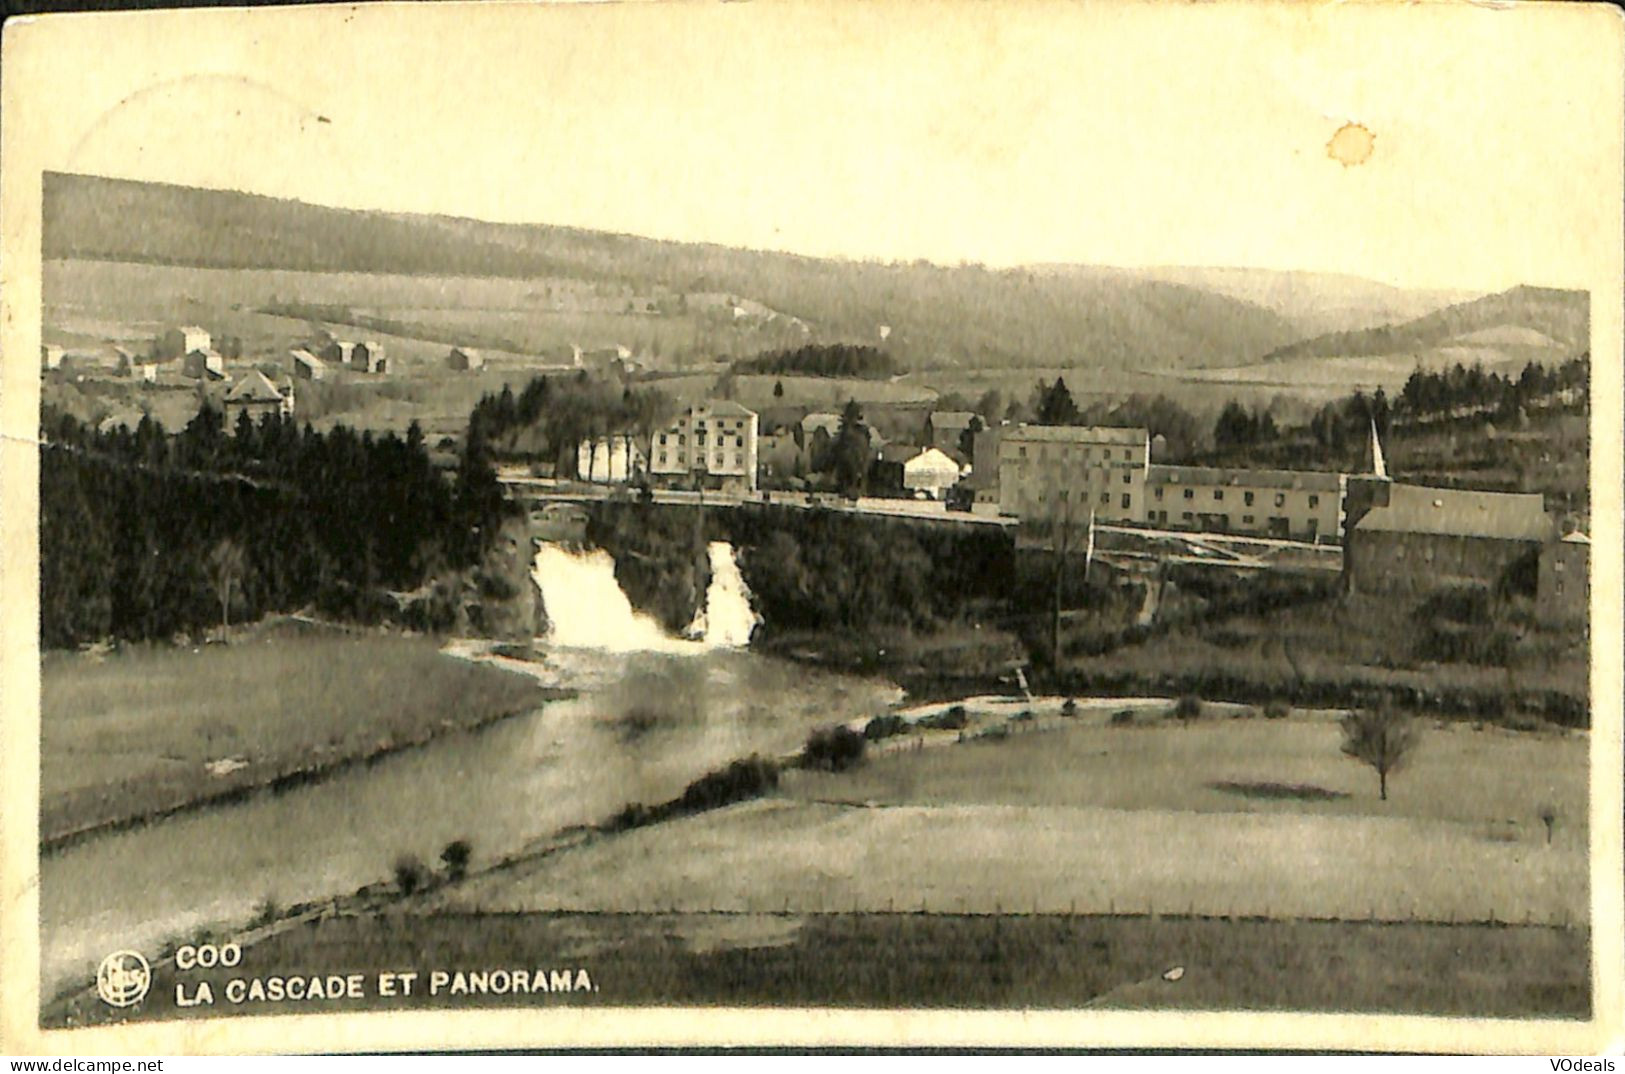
(226, 565)
(1382, 738)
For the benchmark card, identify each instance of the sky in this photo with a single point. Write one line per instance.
(1117, 134)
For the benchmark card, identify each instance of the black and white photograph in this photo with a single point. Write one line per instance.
(668, 523)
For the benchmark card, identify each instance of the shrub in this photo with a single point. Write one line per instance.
(833, 749)
(1069, 707)
(948, 720)
(1277, 710)
(1187, 708)
(455, 858)
(268, 910)
(996, 733)
(1123, 718)
(410, 874)
(884, 727)
(744, 779)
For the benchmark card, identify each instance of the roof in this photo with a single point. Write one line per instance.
(192, 329)
(1576, 538)
(934, 458)
(830, 423)
(1165, 474)
(254, 388)
(1076, 434)
(304, 357)
(207, 352)
(1505, 516)
(898, 452)
(726, 408)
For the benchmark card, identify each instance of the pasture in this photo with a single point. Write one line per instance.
(148, 729)
(1231, 817)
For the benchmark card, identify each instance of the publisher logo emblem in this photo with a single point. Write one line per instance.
(123, 979)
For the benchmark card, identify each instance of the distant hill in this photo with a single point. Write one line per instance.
(928, 315)
(1535, 318)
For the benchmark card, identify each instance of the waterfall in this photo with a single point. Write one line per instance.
(588, 610)
(727, 619)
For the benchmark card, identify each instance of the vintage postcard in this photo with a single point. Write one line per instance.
(1079, 525)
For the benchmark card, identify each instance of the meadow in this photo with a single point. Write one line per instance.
(142, 731)
(1253, 818)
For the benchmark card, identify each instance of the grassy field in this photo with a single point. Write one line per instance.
(1256, 818)
(915, 961)
(136, 732)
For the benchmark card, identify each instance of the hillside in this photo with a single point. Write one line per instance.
(1533, 318)
(937, 316)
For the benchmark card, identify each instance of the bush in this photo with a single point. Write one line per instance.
(1277, 710)
(410, 874)
(884, 727)
(749, 778)
(996, 733)
(833, 749)
(1123, 718)
(1187, 708)
(266, 911)
(455, 858)
(948, 720)
(1024, 716)
(1069, 707)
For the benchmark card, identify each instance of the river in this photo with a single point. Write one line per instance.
(653, 713)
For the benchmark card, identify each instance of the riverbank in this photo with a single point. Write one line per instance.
(148, 732)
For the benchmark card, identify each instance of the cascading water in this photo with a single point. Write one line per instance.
(727, 619)
(588, 610)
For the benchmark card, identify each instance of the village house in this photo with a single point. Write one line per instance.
(1417, 539)
(931, 472)
(1051, 471)
(712, 444)
(464, 360)
(945, 429)
(306, 366)
(256, 396)
(1563, 588)
(50, 356)
(338, 352)
(1302, 505)
(368, 357)
(129, 364)
(203, 365)
(179, 342)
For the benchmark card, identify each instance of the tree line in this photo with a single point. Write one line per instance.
(146, 535)
(823, 360)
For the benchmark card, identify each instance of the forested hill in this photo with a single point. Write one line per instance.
(1536, 317)
(936, 315)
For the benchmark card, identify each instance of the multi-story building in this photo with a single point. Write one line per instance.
(712, 444)
(1303, 505)
(1563, 589)
(1416, 539)
(1059, 471)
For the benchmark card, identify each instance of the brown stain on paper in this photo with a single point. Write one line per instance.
(1351, 145)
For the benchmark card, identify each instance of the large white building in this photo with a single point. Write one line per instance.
(1061, 471)
(712, 444)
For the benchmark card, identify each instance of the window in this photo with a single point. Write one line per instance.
(1247, 498)
(1280, 499)
(1064, 495)
(1159, 492)
(1128, 479)
(1560, 589)
(1218, 494)
(1558, 566)
(662, 438)
(1128, 500)
(739, 441)
(1186, 516)
(1105, 499)
(1314, 501)
(1023, 452)
(1190, 494)
(1247, 520)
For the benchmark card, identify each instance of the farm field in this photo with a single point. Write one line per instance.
(824, 393)
(936, 961)
(1252, 818)
(149, 729)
